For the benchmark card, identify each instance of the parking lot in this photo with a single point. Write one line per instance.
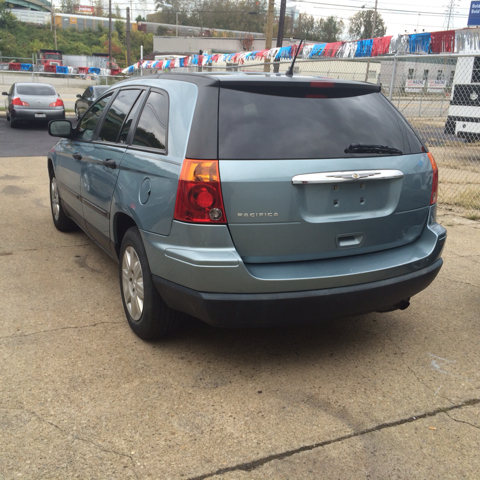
(393, 395)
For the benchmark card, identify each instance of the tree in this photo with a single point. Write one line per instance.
(161, 31)
(245, 15)
(7, 20)
(67, 6)
(120, 29)
(98, 8)
(361, 25)
(323, 30)
(140, 19)
(331, 29)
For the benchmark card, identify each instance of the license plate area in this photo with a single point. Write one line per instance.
(333, 202)
(40, 115)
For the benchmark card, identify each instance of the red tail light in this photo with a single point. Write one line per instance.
(199, 196)
(434, 195)
(17, 101)
(57, 103)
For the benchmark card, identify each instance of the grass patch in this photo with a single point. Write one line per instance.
(468, 198)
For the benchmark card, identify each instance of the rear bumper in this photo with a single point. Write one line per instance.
(30, 114)
(268, 309)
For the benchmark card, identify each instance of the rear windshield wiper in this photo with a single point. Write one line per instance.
(364, 148)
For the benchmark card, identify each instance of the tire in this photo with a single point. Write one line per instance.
(13, 123)
(77, 113)
(60, 220)
(148, 315)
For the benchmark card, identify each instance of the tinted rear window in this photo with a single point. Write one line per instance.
(35, 90)
(280, 126)
(99, 90)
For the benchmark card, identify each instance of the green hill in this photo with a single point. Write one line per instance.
(21, 40)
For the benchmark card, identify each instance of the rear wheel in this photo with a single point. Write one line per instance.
(147, 314)
(60, 220)
(13, 123)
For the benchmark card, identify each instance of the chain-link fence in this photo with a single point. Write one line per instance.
(68, 85)
(439, 96)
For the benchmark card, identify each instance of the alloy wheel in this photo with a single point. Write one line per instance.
(132, 283)
(55, 199)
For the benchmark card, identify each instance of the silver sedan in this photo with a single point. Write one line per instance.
(33, 102)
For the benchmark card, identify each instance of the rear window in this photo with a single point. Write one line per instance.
(314, 123)
(99, 90)
(35, 90)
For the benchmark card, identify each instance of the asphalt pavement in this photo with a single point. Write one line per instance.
(379, 396)
(26, 140)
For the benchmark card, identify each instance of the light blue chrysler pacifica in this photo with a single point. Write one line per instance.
(250, 200)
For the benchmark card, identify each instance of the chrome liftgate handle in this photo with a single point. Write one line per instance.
(351, 176)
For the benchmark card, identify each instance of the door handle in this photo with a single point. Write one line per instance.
(110, 163)
(77, 156)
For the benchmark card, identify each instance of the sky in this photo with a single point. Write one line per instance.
(399, 17)
(428, 15)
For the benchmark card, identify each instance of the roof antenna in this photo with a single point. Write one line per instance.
(290, 68)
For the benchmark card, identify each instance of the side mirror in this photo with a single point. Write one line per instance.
(4, 93)
(78, 95)
(60, 128)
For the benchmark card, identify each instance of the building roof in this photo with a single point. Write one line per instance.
(39, 5)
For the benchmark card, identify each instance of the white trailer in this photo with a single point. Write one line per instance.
(79, 61)
(464, 112)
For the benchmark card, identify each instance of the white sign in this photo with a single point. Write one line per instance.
(414, 86)
(436, 86)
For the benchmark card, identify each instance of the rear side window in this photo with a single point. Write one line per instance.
(35, 90)
(116, 115)
(151, 130)
(277, 125)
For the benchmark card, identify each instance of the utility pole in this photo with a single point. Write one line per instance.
(128, 37)
(281, 24)
(109, 33)
(373, 34)
(54, 26)
(269, 32)
(450, 14)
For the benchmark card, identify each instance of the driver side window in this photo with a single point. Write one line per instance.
(91, 118)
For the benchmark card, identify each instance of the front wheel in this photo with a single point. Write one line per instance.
(147, 314)
(77, 113)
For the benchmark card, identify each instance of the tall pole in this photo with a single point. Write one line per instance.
(176, 23)
(109, 33)
(281, 24)
(54, 26)
(128, 37)
(373, 34)
(269, 32)
(141, 60)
